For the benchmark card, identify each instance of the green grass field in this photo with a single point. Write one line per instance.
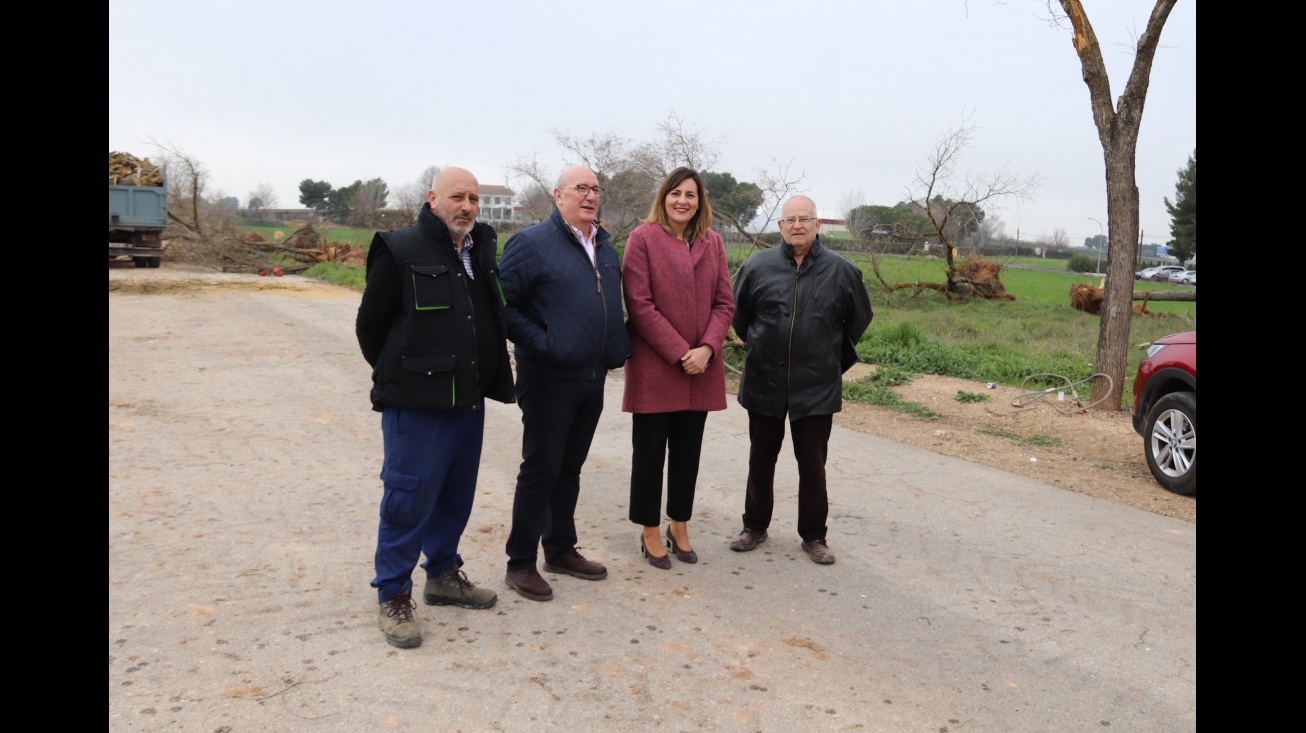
(1000, 341)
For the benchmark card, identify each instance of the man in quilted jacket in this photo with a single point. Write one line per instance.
(562, 287)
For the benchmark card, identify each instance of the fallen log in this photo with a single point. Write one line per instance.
(1183, 295)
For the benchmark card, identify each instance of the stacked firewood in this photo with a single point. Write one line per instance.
(126, 169)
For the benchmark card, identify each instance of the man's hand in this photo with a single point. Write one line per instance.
(695, 360)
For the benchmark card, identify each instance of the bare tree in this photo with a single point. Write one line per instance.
(852, 207)
(535, 197)
(367, 204)
(989, 234)
(197, 227)
(952, 205)
(681, 143)
(630, 171)
(777, 184)
(410, 196)
(1058, 240)
(262, 197)
(1117, 130)
(534, 204)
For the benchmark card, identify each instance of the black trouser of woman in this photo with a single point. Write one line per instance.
(675, 438)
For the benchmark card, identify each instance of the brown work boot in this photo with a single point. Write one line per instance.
(452, 588)
(396, 619)
(819, 552)
(530, 584)
(748, 539)
(573, 563)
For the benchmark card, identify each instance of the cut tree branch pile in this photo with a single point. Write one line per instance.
(303, 245)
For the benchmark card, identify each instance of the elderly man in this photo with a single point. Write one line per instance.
(431, 325)
(562, 284)
(799, 307)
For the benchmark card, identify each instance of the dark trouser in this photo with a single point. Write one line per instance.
(558, 421)
(432, 458)
(811, 437)
(677, 439)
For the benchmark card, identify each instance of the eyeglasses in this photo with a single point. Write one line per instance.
(584, 190)
(792, 220)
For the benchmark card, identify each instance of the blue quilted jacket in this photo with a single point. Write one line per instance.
(563, 313)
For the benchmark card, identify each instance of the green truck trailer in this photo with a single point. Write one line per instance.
(137, 215)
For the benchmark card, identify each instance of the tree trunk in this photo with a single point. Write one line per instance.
(1117, 130)
(1122, 222)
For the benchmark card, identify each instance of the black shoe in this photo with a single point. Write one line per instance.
(661, 563)
(529, 584)
(575, 565)
(686, 556)
(748, 539)
(819, 552)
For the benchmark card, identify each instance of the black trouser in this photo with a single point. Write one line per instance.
(811, 437)
(675, 438)
(558, 421)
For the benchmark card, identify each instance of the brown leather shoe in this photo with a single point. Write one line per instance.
(747, 540)
(819, 552)
(574, 564)
(530, 584)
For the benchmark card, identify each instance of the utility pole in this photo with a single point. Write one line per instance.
(1099, 250)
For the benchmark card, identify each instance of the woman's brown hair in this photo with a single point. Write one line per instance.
(702, 218)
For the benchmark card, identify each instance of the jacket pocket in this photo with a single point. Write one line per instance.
(431, 287)
(434, 375)
(399, 505)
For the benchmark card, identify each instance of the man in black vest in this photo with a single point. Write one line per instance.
(431, 325)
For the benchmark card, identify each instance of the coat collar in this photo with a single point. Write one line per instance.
(434, 227)
(601, 238)
(788, 251)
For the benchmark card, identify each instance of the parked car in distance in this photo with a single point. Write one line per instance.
(1165, 411)
(1163, 273)
(1145, 273)
(1184, 277)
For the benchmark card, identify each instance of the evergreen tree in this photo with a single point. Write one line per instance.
(1183, 212)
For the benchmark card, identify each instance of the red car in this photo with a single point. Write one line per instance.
(1165, 411)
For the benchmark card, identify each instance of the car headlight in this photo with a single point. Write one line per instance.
(1155, 349)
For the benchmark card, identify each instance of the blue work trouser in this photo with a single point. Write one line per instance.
(558, 417)
(432, 458)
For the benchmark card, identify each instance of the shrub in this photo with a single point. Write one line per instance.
(1081, 263)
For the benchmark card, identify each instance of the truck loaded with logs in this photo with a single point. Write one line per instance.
(138, 209)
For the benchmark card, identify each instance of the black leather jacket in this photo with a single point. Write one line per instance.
(795, 320)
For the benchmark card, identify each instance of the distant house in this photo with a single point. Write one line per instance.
(496, 205)
(832, 221)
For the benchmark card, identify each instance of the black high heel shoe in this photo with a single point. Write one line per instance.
(661, 563)
(688, 556)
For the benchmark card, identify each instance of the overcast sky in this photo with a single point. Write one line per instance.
(852, 94)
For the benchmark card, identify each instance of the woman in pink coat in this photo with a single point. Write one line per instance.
(679, 304)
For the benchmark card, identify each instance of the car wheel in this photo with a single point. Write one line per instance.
(1170, 442)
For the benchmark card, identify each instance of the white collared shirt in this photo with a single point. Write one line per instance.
(588, 242)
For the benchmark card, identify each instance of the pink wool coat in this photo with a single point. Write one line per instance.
(676, 299)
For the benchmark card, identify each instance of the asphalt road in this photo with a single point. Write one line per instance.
(243, 462)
